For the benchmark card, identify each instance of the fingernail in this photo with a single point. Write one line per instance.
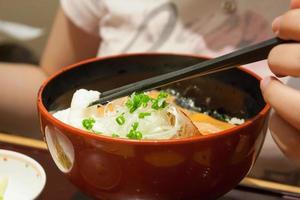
(276, 24)
(264, 82)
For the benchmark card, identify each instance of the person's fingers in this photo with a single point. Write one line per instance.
(287, 26)
(286, 137)
(284, 100)
(285, 59)
(295, 4)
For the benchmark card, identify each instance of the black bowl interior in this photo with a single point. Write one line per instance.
(232, 92)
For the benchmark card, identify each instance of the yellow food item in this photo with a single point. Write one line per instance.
(207, 124)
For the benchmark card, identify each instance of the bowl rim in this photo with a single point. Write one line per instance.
(61, 125)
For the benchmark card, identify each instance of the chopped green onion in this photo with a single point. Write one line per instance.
(142, 115)
(115, 135)
(159, 104)
(88, 123)
(160, 101)
(129, 104)
(162, 94)
(133, 133)
(138, 135)
(135, 125)
(120, 119)
(136, 101)
(145, 99)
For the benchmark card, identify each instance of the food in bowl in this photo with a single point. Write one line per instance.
(145, 115)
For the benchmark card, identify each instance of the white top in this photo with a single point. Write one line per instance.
(204, 27)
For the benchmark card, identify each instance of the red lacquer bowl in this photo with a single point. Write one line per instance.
(203, 167)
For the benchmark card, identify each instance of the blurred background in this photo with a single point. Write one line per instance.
(24, 28)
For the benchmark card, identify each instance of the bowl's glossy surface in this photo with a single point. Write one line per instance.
(192, 168)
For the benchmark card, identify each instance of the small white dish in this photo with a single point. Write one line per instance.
(24, 177)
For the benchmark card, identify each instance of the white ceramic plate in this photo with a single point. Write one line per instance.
(24, 176)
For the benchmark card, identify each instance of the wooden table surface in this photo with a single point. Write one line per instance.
(58, 187)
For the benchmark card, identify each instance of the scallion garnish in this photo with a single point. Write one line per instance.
(115, 135)
(134, 133)
(142, 115)
(135, 125)
(120, 119)
(137, 100)
(160, 101)
(162, 94)
(88, 123)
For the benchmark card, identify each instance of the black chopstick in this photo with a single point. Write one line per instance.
(242, 56)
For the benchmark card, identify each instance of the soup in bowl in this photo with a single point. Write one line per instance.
(225, 116)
